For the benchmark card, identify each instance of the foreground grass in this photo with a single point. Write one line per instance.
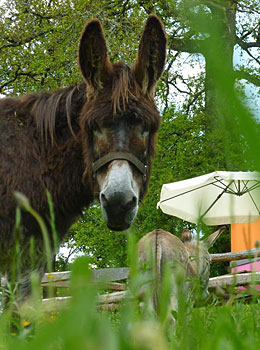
(81, 326)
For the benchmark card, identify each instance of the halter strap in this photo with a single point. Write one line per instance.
(120, 155)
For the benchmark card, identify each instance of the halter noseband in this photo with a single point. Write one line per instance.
(123, 156)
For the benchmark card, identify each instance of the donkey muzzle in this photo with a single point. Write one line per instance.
(119, 209)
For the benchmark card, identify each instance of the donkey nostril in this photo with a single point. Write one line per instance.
(134, 200)
(103, 198)
(131, 204)
(118, 201)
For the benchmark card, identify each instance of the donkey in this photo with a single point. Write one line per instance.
(89, 141)
(187, 258)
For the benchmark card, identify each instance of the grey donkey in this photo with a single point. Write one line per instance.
(187, 258)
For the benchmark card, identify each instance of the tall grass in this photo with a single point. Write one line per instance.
(82, 326)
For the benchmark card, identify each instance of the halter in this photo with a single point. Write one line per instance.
(123, 156)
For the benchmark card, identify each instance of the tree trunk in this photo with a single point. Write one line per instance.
(224, 24)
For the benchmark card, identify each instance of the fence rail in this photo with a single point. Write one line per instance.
(112, 279)
(231, 256)
(108, 276)
(61, 279)
(111, 276)
(242, 279)
(112, 300)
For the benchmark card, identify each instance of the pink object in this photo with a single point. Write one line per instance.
(253, 266)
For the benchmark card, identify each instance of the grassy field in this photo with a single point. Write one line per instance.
(81, 326)
(215, 325)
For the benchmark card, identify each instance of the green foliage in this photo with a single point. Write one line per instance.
(91, 237)
(38, 41)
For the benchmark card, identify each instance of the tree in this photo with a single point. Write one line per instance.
(201, 130)
(38, 43)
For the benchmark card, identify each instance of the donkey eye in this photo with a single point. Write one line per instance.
(96, 128)
(144, 133)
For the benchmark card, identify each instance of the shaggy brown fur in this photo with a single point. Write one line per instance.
(46, 139)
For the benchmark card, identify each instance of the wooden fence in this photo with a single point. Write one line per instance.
(114, 277)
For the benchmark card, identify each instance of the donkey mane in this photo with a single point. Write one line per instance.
(49, 108)
(124, 85)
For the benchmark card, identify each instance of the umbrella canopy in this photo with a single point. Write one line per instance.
(221, 197)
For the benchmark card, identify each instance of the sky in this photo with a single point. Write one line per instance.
(252, 92)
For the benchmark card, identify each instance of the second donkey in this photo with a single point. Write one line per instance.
(186, 257)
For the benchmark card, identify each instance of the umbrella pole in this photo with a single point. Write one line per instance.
(249, 193)
(215, 201)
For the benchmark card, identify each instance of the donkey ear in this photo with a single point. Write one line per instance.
(186, 236)
(211, 239)
(92, 55)
(151, 55)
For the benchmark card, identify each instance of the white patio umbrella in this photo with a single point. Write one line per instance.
(221, 197)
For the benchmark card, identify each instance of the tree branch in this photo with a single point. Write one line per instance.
(193, 100)
(59, 15)
(16, 75)
(253, 79)
(246, 9)
(247, 45)
(187, 45)
(12, 43)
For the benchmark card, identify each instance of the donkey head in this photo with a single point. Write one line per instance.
(199, 259)
(119, 119)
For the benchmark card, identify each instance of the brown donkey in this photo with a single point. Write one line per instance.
(187, 259)
(93, 140)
